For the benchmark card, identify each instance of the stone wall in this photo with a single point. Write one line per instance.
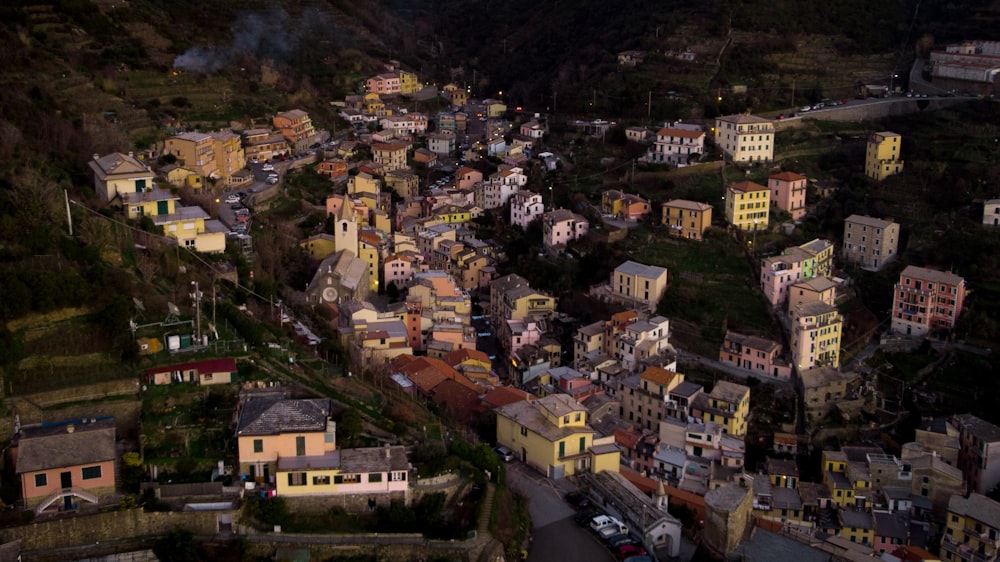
(111, 526)
(872, 110)
(355, 503)
(384, 548)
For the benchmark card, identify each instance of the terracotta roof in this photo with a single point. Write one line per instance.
(461, 355)
(659, 375)
(628, 439)
(503, 395)
(745, 186)
(684, 133)
(788, 176)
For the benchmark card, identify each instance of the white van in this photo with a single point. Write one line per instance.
(606, 521)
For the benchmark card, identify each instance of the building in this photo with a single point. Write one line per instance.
(342, 276)
(263, 144)
(991, 212)
(625, 206)
(297, 128)
(972, 529)
(755, 354)
(525, 207)
(748, 205)
(727, 405)
(61, 463)
(727, 517)
(512, 298)
(869, 242)
(229, 155)
(195, 151)
(926, 300)
(639, 283)
(815, 336)
(210, 371)
(116, 174)
(560, 227)
(883, 157)
(644, 397)
(814, 289)
(390, 156)
(677, 144)
(687, 219)
(979, 453)
(745, 138)
(788, 193)
(552, 436)
(794, 265)
(388, 83)
(824, 386)
(192, 227)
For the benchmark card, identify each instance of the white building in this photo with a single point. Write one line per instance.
(561, 227)
(525, 206)
(745, 138)
(677, 144)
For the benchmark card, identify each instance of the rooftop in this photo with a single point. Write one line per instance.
(727, 497)
(982, 429)
(932, 275)
(868, 221)
(270, 415)
(976, 506)
(65, 444)
(746, 186)
(687, 205)
(729, 391)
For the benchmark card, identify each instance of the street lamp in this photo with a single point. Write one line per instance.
(892, 80)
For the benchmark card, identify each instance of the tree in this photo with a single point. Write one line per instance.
(350, 425)
(177, 546)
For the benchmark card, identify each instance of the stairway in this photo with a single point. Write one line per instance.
(484, 515)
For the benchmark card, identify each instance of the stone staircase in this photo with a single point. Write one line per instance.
(484, 516)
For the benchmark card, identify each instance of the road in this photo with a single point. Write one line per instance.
(555, 536)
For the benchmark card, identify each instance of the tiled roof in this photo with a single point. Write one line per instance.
(868, 221)
(684, 133)
(687, 205)
(503, 395)
(65, 444)
(659, 375)
(788, 176)
(729, 391)
(745, 186)
(273, 416)
(932, 275)
(225, 365)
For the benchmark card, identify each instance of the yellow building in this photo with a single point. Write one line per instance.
(148, 203)
(494, 108)
(834, 464)
(816, 335)
(551, 435)
(391, 156)
(117, 173)
(409, 82)
(319, 246)
(195, 151)
(363, 182)
(368, 250)
(972, 530)
(857, 526)
(229, 156)
(883, 157)
(297, 128)
(687, 219)
(453, 214)
(727, 405)
(747, 205)
(193, 229)
(179, 176)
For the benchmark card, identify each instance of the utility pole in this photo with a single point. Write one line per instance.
(196, 297)
(69, 216)
(649, 105)
(793, 92)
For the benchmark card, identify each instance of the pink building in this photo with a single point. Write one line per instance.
(925, 300)
(561, 227)
(788, 192)
(383, 84)
(525, 206)
(755, 354)
(398, 269)
(467, 178)
(60, 464)
(522, 333)
(778, 273)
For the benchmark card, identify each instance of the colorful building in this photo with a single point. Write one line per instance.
(687, 219)
(883, 157)
(754, 353)
(972, 529)
(727, 405)
(926, 300)
(788, 193)
(869, 242)
(748, 205)
(116, 174)
(552, 436)
(815, 335)
(745, 138)
(639, 283)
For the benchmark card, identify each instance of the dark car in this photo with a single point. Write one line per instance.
(578, 500)
(622, 541)
(585, 516)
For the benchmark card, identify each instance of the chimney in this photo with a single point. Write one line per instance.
(70, 428)
(97, 156)
(387, 451)
(131, 154)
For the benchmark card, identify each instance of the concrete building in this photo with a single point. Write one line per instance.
(561, 226)
(815, 336)
(727, 405)
(727, 517)
(925, 300)
(991, 212)
(687, 219)
(748, 205)
(678, 144)
(745, 138)
(639, 283)
(525, 207)
(814, 289)
(972, 529)
(116, 174)
(883, 157)
(870, 242)
(755, 354)
(788, 193)
(979, 456)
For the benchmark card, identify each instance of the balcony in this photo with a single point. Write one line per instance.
(963, 552)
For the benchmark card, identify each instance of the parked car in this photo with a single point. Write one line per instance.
(584, 517)
(627, 550)
(505, 454)
(622, 541)
(612, 532)
(602, 522)
(578, 500)
(267, 167)
(271, 180)
(638, 559)
(233, 198)
(805, 108)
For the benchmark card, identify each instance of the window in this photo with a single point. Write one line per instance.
(524, 431)
(399, 476)
(375, 477)
(91, 472)
(296, 478)
(321, 480)
(41, 480)
(258, 445)
(300, 446)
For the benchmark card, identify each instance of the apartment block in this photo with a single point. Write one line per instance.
(788, 193)
(745, 138)
(815, 335)
(748, 205)
(882, 157)
(687, 219)
(869, 242)
(925, 300)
